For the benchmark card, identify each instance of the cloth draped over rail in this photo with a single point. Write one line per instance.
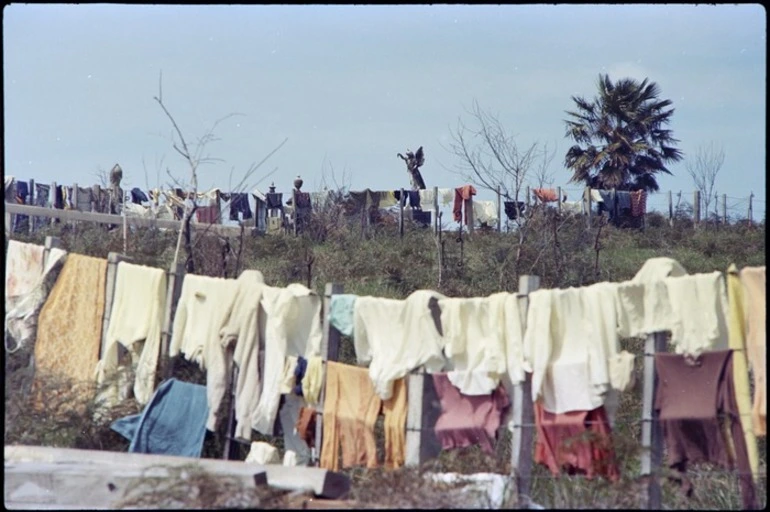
(27, 285)
(70, 325)
(135, 323)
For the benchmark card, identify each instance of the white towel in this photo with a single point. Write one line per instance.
(397, 336)
(263, 453)
(23, 268)
(292, 327)
(136, 320)
(485, 211)
(241, 327)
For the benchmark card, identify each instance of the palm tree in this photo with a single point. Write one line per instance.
(621, 139)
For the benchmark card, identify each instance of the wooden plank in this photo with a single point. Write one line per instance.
(587, 199)
(321, 482)
(104, 218)
(61, 485)
(437, 226)
(558, 199)
(174, 278)
(330, 350)
(523, 435)
(652, 431)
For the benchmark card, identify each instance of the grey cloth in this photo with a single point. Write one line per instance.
(288, 415)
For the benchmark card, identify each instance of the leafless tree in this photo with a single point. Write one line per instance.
(703, 168)
(194, 158)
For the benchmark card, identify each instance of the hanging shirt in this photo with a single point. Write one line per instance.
(292, 327)
(462, 194)
(485, 211)
(239, 203)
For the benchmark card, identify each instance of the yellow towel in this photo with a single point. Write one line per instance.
(753, 280)
(387, 199)
(69, 330)
(311, 382)
(737, 342)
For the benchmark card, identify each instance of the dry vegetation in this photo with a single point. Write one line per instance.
(377, 262)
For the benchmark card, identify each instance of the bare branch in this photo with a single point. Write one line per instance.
(703, 168)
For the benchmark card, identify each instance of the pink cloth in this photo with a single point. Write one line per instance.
(207, 214)
(468, 420)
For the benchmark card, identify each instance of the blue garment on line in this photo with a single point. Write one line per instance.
(299, 374)
(172, 423)
(341, 313)
(239, 202)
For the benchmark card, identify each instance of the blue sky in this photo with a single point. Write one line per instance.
(351, 86)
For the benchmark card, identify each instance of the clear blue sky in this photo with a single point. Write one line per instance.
(350, 86)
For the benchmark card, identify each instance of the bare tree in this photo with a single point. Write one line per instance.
(195, 158)
(489, 156)
(703, 168)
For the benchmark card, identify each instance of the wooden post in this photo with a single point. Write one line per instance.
(468, 207)
(499, 211)
(435, 210)
(528, 198)
(670, 209)
(294, 209)
(652, 431)
(330, 350)
(401, 214)
(614, 196)
(751, 209)
(724, 208)
(229, 452)
(696, 207)
(523, 437)
(558, 200)
(31, 201)
(587, 199)
(174, 279)
(96, 204)
(9, 217)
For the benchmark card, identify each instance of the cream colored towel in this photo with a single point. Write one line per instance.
(396, 336)
(699, 306)
(136, 321)
(21, 317)
(313, 380)
(514, 339)
(474, 341)
(241, 329)
(70, 327)
(754, 285)
(292, 327)
(655, 269)
(263, 453)
(204, 305)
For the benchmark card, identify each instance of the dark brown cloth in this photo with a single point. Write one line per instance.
(692, 398)
(467, 420)
(306, 425)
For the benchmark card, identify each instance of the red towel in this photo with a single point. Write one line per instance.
(578, 442)
(638, 203)
(463, 193)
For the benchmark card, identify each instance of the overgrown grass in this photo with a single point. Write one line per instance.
(562, 251)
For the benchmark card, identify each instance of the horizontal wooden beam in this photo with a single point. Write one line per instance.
(104, 218)
(320, 482)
